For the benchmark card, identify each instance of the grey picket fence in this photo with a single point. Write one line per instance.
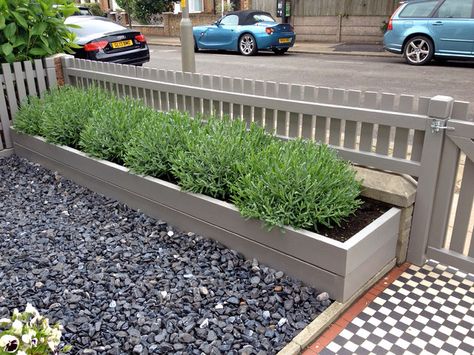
(18, 81)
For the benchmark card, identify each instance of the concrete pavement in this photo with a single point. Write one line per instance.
(366, 50)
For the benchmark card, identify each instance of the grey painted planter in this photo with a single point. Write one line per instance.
(339, 268)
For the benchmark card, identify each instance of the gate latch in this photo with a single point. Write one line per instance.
(438, 125)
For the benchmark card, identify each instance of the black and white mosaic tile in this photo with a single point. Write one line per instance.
(427, 310)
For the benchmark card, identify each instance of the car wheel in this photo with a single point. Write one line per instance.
(247, 44)
(196, 48)
(419, 50)
(280, 51)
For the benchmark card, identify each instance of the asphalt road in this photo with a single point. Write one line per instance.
(382, 74)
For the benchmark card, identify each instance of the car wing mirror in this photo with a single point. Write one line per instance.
(217, 23)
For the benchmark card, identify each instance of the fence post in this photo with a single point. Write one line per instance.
(440, 110)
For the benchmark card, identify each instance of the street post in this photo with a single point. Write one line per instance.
(187, 40)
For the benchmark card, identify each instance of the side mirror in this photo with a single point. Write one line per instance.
(217, 23)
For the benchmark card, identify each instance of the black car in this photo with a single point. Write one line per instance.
(106, 41)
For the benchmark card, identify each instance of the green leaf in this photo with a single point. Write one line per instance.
(38, 51)
(7, 49)
(39, 28)
(10, 31)
(20, 19)
(2, 22)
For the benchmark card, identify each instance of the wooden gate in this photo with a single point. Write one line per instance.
(451, 233)
(444, 216)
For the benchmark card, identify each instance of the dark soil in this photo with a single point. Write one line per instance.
(367, 213)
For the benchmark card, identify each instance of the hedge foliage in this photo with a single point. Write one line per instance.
(208, 162)
(297, 183)
(31, 29)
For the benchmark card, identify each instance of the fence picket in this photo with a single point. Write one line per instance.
(180, 99)
(308, 122)
(322, 123)
(400, 146)
(164, 96)
(197, 101)
(30, 78)
(282, 120)
(217, 104)
(335, 126)
(172, 98)
(418, 135)
(40, 76)
(247, 111)
(50, 69)
(259, 112)
(460, 111)
(237, 109)
(367, 129)
(351, 127)
(4, 122)
(464, 208)
(227, 85)
(206, 103)
(270, 115)
(383, 132)
(8, 77)
(19, 81)
(295, 119)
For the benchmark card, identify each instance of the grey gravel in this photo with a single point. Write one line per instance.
(124, 283)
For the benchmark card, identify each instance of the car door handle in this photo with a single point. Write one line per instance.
(438, 23)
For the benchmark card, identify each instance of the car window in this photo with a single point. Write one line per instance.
(418, 9)
(90, 27)
(231, 20)
(263, 18)
(455, 9)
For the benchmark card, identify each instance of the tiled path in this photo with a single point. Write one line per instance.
(412, 310)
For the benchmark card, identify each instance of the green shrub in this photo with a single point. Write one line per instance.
(29, 117)
(208, 163)
(94, 8)
(296, 183)
(155, 139)
(68, 113)
(32, 29)
(110, 128)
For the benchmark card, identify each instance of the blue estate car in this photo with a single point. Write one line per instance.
(423, 29)
(247, 32)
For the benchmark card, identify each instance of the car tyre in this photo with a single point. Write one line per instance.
(418, 50)
(196, 48)
(247, 45)
(280, 51)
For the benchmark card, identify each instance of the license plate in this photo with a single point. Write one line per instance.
(122, 44)
(284, 40)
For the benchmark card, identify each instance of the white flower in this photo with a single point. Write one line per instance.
(17, 327)
(15, 313)
(5, 321)
(9, 343)
(52, 345)
(55, 335)
(26, 338)
(31, 310)
(21, 352)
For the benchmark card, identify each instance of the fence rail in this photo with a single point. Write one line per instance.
(17, 82)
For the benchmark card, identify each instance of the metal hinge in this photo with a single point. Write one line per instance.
(438, 125)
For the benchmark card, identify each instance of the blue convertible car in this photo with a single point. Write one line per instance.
(247, 32)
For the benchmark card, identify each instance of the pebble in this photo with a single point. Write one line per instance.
(122, 282)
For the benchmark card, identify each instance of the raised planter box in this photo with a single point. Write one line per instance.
(339, 268)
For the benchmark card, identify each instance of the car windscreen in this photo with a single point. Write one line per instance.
(418, 9)
(263, 18)
(91, 27)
